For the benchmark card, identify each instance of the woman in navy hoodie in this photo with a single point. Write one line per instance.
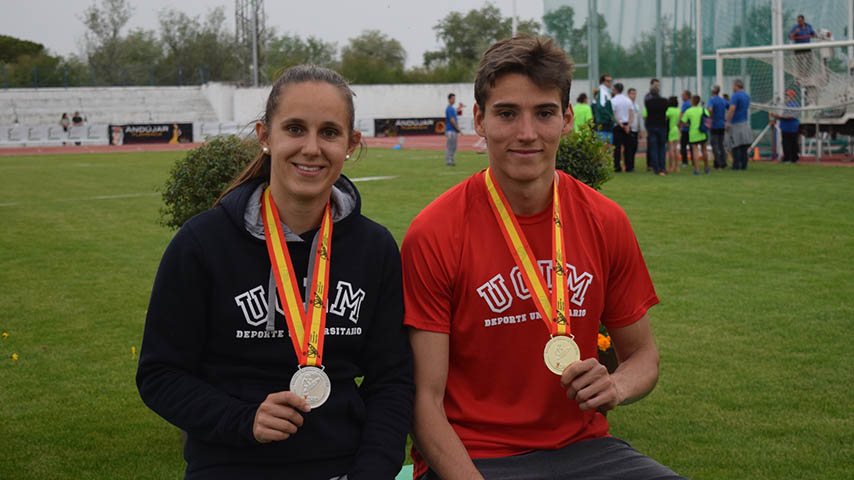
(267, 308)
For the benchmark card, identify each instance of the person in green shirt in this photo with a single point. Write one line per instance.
(673, 134)
(692, 118)
(583, 112)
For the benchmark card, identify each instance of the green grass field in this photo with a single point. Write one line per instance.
(754, 271)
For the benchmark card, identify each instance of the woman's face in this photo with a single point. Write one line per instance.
(309, 138)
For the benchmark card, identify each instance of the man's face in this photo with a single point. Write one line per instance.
(608, 81)
(801, 20)
(685, 96)
(452, 99)
(655, 84)
(633, 94)
(522, 123)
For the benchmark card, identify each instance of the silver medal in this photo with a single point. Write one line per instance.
(312, 384)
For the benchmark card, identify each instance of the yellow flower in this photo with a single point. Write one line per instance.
(132, 351)
(604, 342)
(15, 357)
(4, 335)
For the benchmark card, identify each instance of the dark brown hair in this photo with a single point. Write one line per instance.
(260, 166)
(540, 60)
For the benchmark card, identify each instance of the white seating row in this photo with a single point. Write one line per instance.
(44, 135)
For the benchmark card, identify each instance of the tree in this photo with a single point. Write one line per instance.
(11, 48)
(373, 57)
(192, 44)
(559, 24)
(466, 37)
(289, 50)
(103, 42)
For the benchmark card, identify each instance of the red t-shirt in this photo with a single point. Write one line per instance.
(460, 278)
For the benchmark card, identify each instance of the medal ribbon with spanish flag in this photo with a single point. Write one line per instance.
(553, 308)
(309, 348)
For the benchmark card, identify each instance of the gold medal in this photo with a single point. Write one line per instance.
(559, 353)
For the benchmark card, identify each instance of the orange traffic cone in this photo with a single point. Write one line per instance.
(756, 154)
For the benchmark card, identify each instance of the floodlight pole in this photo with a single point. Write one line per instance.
(254, 44)
(593, 43)
(850, 37)
(698, 33)
(515, 22)
(659, 34)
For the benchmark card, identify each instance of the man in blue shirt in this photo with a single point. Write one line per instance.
(717, 108)
(451, 130)
(802, 32)
(789, 126)
(739, 136)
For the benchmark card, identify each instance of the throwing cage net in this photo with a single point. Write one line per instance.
(813, 80)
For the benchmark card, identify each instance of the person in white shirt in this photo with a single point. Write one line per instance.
(635, 131)
(624, 115)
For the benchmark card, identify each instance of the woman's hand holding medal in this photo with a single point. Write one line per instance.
(278, 417)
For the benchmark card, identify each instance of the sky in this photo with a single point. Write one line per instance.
(56, 23)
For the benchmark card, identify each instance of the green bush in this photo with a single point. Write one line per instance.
(585, 157)
(197, 180)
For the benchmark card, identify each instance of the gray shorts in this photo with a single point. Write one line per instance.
(597, 459)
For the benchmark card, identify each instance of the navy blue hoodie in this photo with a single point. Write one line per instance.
(208, 358)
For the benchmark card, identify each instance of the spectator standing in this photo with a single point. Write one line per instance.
(451, 130)
(64, 122)
(603, 111)
(717, 112)
(656, 130)
(673, 134)
(582, 112)
(789, 127)
(485, 406)
(653, 83)
(635, 132)
(623, 115)
(684, 140)
(739, 136)
(693, 118)
(77, 121)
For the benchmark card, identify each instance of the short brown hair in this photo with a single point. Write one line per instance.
(541, 60)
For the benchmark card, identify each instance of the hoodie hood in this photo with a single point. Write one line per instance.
(243, 206)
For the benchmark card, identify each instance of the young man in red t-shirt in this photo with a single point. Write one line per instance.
(478, 266)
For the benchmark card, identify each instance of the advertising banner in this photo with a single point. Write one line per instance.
(151, 133)
(392, 127)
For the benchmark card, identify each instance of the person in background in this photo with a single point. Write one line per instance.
(452, 129)
(635, 132)
(656, 130)
(789, 128)
(693, 118)
(486, 406)
(673, 134)
(653, 83)
(266, 308)
(64, 122)
(77, 121)
(603, 111)
(684, 140)
(624, 115)
(739, 136)
(582, 112)
(717, 112)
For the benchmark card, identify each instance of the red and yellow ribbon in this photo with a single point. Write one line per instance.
(308, 348)
(553, 308)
